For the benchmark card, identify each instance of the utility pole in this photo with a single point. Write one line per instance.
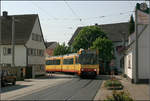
(13, 43)
(0, 36)
(149, 38)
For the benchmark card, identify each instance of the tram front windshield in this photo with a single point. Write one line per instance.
(89, 59)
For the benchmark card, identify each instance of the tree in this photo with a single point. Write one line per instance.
(131, 25)
(87, 36)
(105, 48)
(61, 50)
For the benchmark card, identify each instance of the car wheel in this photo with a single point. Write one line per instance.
(3, 84)
(14, 82)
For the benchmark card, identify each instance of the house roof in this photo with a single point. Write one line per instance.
(114, 31)
(51, 45)
(23, 28)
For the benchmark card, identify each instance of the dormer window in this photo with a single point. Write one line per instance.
(36, 37)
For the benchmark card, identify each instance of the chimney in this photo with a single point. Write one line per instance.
(5, 13)
(96, 24)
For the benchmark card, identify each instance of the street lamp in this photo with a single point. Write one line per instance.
(13, 43)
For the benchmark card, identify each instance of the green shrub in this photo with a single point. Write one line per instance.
(124, 75)
(112, 83)
(119, 96)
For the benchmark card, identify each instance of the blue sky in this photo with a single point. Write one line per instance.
(60, 19)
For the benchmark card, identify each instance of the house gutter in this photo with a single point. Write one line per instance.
(0, 40)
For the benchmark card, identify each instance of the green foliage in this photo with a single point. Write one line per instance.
(105, 48)
(87, 36)
(124, 75)
(112, 83)
(131, 25)
(62, 50)
(119, 96)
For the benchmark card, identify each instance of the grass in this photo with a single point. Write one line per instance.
(112, 83)
(119, 96)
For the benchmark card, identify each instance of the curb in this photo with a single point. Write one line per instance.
(96, 98)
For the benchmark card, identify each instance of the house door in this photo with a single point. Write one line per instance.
(29, 72)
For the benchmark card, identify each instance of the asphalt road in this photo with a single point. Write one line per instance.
(74, 89)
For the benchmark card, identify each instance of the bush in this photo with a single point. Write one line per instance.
(112, 83)
(119, 96)
(124, 75)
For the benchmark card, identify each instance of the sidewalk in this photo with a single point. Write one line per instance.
(137, 91)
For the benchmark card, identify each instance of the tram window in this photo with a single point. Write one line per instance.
(77, 60)
(68, 61)
(49, 62)
(56, 62)
(53, 62)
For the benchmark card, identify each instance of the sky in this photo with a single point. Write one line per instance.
(60, 19)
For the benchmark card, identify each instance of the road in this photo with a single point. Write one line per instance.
(66, 87)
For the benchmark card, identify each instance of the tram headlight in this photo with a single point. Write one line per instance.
(94, 69)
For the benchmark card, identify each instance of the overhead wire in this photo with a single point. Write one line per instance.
(72, 10)
(76, 16)
(44, 11)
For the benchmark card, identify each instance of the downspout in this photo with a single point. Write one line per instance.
(26, 55)
(136, 47)
(149, 39)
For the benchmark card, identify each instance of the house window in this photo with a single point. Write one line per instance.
(129, 61)
(34, 52)
(37, 52)
(6, 51)
(33, 36)
(39, 38)
(9, 50)
(31, 51)
(40, 52)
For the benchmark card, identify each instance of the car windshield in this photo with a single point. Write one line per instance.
(88, 59)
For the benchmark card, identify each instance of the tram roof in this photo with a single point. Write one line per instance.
(72, 54)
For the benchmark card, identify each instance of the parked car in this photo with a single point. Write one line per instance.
(7, 77)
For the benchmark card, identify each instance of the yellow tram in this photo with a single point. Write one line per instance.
(83, 63)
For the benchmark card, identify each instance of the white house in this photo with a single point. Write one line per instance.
(141, 68)
(29, 43)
